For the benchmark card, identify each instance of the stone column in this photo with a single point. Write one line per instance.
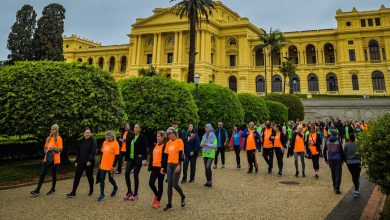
(155, 40)
(180, 48)
(159, 49)
(176, 48)
(139, 42)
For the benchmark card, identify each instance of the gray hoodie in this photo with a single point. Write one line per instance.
(350, 152)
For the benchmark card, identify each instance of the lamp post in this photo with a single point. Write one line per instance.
(292, 85)
(196, 81)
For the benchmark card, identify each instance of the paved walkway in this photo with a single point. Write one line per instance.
(235, 195)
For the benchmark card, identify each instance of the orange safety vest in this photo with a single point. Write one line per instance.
(312, 141)
(267, 142)
(277, 140)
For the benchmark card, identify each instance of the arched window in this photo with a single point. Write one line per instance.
(277, 84)
(233, 83)
(293, 54)
(329, 53)
(312, 81)
(171, 41)
(112, 64)
(311, 57)
(374, 50)
(295, 83)
(259, 57)
(331, 82)
(123, 64)
(355, 82)
(233, 42)
(101, 62)
(260, 84)
(150, 42)
(80, 60)
(378, 81)
(90, 61)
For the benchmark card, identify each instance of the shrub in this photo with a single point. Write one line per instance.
(374, 150)
(254, 107)
(218, 104)
(293, 104)
(278, 112)
(156, 102)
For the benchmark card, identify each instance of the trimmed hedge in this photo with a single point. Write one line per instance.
(218, 104)
(255, 108)
(278, 111)
(292, 102)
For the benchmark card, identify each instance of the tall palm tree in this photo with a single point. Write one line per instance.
(287, 68)
(273, 41)
(193, 10)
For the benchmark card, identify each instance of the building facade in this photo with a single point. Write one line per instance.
(352, 59)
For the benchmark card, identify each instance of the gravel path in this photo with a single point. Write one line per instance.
(235, 195)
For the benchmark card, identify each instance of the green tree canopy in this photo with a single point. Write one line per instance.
(20, 40)
(218, 104)
(295, 107)
(278, 112)
(48, 35)
(255, 108)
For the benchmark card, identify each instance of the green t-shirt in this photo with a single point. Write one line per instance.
(212, 150)
(346, 133)
(132, 146)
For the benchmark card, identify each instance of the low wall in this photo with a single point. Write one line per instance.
(345, 109)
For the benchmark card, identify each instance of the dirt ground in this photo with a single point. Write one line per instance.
(234, 195)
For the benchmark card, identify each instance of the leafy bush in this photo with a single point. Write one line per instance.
(293, 104)
(254, 107)
(278, 112)
(374, 150)
(218, 104)
(157, 101)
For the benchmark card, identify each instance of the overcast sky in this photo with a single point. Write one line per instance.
(109, 21)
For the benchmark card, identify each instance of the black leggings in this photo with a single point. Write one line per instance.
(268, 154)
(316, 161)
(237, 150)
(79, 172)
(120, 161)
(103, 174)
(45, 167)
(355, 170)
(155, 174)
(222, 151)
(173, 182)
(279, 157)
(135, 164)
(251, 155)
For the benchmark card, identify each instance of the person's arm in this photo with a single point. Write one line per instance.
(78, 152)
(325, 152)
(244, 134)
(226, 138)
(214, 143)
(58, 148)
(197, 144)
(92, 154)
(128, 146)
(150, 160)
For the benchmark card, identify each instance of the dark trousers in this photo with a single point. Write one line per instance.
(302, 155)
(207, 167)
(336, 170)
(237, 150)
(173, 182)
(268, 154)
(155, 174)
(279, 157)
(135, 164)
(79, 172)
(316, 161)
(120, 161)
(103, 174)
(220, 150)
(45, 167)
(251, 155)
(355, 170)
(190, 160)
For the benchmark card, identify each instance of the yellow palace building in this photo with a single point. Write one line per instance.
(352, 59)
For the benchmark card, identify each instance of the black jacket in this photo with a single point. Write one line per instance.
(86, 151)
(140, 147)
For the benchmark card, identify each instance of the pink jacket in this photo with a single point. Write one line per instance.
(232, 139)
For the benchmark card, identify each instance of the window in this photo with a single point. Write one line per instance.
(123, 64)
(365, 55)
(80, 60)
(331, 82)
(233, 60)
(101, 62)
(259, 58)
(149, 59)
(363, 22)
(90, 61)
(170, 58)
(233, 83)
(212, 58)
(295, 83)
(171, 41)
(377, 21)
(370, 23)
(293, 54)
(350, 42)
(112, 64)
(355, 82)
(329, 53)
(352, 55)
(233, 43)
(150, 42)
(378, 81)
(277, 84)
(311, 54)
(260, 84)
(348, 24)
(383, 53)
(374, 50)
(67, 46)
(312, 81)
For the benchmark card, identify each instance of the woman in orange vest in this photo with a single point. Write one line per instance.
(251, 143)
(279, 146)
(52, 149)
(125, 136)
(267, 139)
(297, 148)
(313, 148)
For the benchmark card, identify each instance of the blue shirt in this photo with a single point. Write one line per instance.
(236, 138)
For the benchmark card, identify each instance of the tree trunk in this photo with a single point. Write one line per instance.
(284, 84)
(272, 70)
(265, 73)
(191, 62)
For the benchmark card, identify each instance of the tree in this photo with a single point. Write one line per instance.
(278, 112)
(151, 71)
(48, 35)
(374, 150)
(273, 41)
(36, 94)
(218, 104)
(255, 108)
(20, 40)
(287, 69)
(193, 10)
(292, 102)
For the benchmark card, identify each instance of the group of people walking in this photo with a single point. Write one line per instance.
(175, 151)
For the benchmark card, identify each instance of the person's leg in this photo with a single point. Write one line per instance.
(250, 162)
(279, 158)
(112, 180)
(89, 172)
(255, 161)
(223, 156)
(185, 167)
(205, 168)
(358, 169)
(209, 162)
(237, 151)
(316, 163)
(54, 170)
(338, 174)
(193, 166)
(137, 169)
(170, 173)
(129, 167)
(216, 157)
(120, 162)
(42, 177)
(152, 181)
(266, 155)
(302, 155)
(332, 171)
(296, 163)
(102, 178)
(77, 176)
(176, 185)
(271, 159)
(160, 186)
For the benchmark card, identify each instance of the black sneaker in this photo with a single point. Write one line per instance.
(52, 191)
(183, 181)
(303, 174)
(269, 171)
(210, 184)
(183, 202)
(206, 184)
(90, 193)
(191, 181)
(280, 173)
(114, 191)
(296, 174)
(71, 195)
(168, 207)
(337, 191)
(249, 171)
(256, 169)
(35, 193)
